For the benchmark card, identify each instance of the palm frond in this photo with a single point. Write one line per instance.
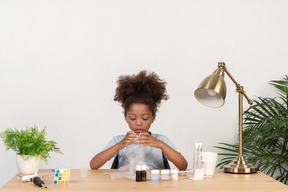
(265, 135)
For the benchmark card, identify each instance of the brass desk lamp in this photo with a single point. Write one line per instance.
(212, 92)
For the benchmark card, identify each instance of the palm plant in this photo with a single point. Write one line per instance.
(265, 134)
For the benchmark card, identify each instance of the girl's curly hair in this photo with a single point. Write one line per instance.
(146, 88)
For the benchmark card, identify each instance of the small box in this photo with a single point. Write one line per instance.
(61, 175)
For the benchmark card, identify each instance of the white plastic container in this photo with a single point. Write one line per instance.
(155, 175)
(165, 174)
(174, 174)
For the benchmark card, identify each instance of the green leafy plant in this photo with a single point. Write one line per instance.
(265, 134)
(30, 141)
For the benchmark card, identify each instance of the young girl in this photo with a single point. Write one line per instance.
(140, 95)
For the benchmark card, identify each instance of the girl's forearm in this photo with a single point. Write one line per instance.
(176, 158)
(101, 158)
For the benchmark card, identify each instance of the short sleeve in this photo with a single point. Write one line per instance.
(113, 142)
(165, 140)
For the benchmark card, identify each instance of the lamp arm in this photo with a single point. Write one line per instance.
(239, 88)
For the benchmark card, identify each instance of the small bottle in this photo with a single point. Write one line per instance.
(143, 173)
(155, 175)
(165, 175)
(174, 174)
(138, 173)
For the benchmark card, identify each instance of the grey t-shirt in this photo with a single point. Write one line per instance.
(153, 156)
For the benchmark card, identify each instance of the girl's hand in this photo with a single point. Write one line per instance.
(146, 139)
(130, 136)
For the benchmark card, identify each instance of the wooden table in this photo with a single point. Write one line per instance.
(99, 180)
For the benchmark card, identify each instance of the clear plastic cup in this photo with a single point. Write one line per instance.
(84, 172)
(210, 159)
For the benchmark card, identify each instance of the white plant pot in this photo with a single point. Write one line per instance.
(27, 164)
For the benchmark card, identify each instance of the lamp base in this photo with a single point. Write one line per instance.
(240, 165)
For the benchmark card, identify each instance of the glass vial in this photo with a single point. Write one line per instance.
(138, 173)
(143, 173)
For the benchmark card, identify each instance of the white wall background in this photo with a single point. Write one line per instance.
(59, 61)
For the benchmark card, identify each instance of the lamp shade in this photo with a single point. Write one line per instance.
(212, 90)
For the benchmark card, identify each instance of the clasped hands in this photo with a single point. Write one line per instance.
(144, 138)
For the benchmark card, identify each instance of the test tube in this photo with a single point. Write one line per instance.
(197, 164)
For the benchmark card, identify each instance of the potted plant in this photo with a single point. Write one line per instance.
(265, 134)
(30, 145)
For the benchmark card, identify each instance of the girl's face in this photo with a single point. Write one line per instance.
(139, 118)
